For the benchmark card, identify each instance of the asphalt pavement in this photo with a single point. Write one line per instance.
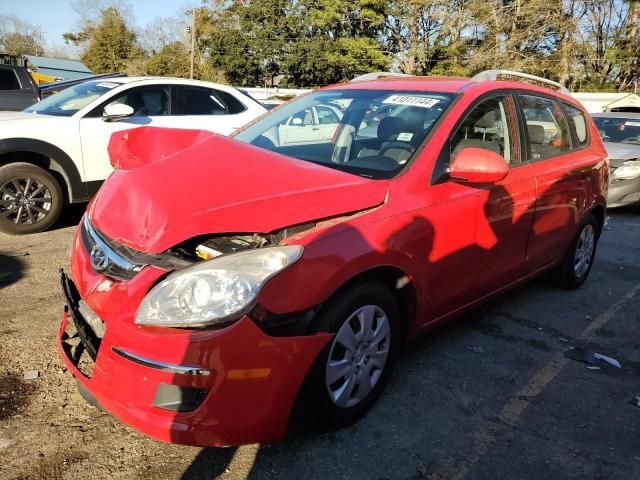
(489, 396)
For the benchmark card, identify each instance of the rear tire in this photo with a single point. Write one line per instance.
(345, 381)
(577, 262)
(30, 199)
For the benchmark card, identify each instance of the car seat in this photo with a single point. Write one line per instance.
(482, 139)
(388, 130)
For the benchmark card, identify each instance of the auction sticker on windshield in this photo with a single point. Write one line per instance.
(413, 100)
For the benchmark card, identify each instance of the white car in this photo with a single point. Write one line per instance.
(56, 150)
(314, 124)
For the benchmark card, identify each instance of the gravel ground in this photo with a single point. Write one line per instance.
(489, 396)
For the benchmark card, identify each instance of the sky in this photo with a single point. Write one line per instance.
(56, 17)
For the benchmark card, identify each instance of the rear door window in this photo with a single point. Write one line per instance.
(547, 127)
(8, 80)
(202, 101)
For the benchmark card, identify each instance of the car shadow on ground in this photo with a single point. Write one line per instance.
(303, 435)
(70, 216)
(11, 270)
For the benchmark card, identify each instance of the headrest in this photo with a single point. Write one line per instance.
(487, 120)
(536, 134)
(390, 126)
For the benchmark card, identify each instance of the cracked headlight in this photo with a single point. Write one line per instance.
(626, 171)
(214, 292)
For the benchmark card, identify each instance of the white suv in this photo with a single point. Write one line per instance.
(56, 150)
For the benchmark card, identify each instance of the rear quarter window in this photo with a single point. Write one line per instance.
(579, 123)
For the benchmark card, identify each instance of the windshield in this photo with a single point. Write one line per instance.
(619, 129)
(70, 100)
(371, 133)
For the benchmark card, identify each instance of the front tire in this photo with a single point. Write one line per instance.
(30, 199)
(577, 262)
(352, 370)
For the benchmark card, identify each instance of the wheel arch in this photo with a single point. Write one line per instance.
(399, 284)
(48, 157)
(600, 213)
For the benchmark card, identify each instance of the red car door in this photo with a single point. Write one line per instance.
(480, 232)
(562, 175)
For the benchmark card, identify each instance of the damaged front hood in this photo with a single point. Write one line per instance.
(172, 185)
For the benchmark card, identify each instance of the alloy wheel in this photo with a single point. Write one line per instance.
(584, 251)
(24, 201)
(358, 356)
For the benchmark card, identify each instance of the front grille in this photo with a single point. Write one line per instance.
(104, 258)
(119, 261)
(79, 341)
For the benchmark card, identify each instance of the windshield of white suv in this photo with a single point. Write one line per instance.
(372, 133)
(619, 129)
(70, 100)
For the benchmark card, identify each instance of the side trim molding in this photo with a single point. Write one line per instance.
(165, 367)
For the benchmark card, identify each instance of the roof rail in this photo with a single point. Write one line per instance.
(519, 77)
(376, 75)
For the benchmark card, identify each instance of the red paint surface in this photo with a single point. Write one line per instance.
(458, 244)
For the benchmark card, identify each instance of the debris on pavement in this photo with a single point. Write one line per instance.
(31, 374)
(589, 356)
(5, 442)
(635, 401)
(475, 348)
(609, 360)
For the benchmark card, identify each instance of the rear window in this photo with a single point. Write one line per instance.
(619, 129)
(8, 80)
(579, 122)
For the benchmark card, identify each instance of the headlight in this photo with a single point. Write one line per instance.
(216, 291)
(626, 171)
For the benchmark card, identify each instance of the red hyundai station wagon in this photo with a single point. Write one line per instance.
(215, 282)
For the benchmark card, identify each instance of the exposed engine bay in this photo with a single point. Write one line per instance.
(209, 247)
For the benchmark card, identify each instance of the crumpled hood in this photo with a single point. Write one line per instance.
(621, 152)
(171, 185)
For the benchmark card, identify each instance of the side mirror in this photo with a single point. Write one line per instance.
(116, 111)
(297, 121)
(478, 165)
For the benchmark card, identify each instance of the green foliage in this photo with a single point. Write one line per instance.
(111, 44)
(172, 61)
(584, 45)
(310, 42)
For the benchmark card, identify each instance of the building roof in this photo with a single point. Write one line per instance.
(596, 102)
(59, 68)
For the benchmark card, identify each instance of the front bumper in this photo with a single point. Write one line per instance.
(623, 192)
(249, 390)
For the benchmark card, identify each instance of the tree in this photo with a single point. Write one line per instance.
(340, 40)
(111, 44)
(163, 31)
(18, 37)
(310, 42)
(173, 60)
